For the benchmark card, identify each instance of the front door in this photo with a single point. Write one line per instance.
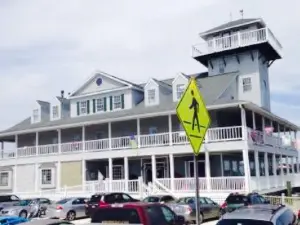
(190, 168)
(161, 171)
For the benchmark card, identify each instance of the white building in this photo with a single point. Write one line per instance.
(113, 135)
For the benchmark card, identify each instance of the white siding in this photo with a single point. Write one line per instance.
(180, 79)
(55, 102)
(151, 85)
(107, 84)
(25, 178)
(36, 106)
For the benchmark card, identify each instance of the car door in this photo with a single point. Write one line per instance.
(215, 208)
(78, 206)
(126, 198)
(205, 208)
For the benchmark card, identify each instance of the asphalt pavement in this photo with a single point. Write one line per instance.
(84, 221)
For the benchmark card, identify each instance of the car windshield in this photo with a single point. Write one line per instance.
(23, 202)
(243, 222)
(236, 199)
(151, 199)
(96, 198)
(63, 201)
(116, 215)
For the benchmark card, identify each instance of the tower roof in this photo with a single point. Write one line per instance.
(233, 24)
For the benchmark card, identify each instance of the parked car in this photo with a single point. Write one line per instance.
(137, 213)
(12, 220)
(103, 199)
(8, 200)
(237, 200)
(48, 222)
(43, 203)
(186, 207)
(259, 214)
(21, 208)
(68, 208)
(159, 199)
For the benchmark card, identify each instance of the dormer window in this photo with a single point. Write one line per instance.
(151, 96)
(179, 90)
(117, 102)
(55, 112)
(36, 115)
(83, 107)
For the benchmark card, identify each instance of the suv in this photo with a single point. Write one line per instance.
(236, 200)
(103, 199)
(260, 215)
(7, 200)
(137, 213)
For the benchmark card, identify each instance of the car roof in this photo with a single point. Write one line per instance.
(259, 212)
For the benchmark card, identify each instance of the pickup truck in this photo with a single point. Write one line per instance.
(137, 213)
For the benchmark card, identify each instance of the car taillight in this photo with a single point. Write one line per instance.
(223, 205)
(59, 207)
(189, 210)
(102, 203)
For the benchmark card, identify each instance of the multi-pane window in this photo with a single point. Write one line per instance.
(247, 85)
(46, 176)
(179, 90)
(55, 112)
(83, 107)
(117, 102)
(4, 176)
(100, 105)
(151, 96)
(36, 115)
(118, 172)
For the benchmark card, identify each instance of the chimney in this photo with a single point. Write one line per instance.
(62, 93)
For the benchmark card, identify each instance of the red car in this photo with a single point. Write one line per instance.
(137, 213)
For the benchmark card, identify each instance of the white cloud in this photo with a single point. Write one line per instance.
(46, 46)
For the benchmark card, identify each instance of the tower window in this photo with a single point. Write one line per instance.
(247, 85)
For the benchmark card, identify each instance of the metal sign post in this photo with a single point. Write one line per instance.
(195, 119)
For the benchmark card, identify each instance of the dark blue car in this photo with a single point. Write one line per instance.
(12, 220)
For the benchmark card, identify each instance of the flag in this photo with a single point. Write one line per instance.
(133, 142)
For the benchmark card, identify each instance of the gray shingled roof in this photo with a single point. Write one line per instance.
(210, 87)
(234, 23)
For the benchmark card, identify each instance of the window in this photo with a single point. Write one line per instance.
(247, 86)
(179, 90)
(46, 176)
(117, 102)
(4, 176)
(116, 215)
(151, 96)
(55, 112)
(78, 201)
(118, 172)
(63, 201)
(100, 105)
(168, 214)
(83, 107)
(36, 116)
(126, 198)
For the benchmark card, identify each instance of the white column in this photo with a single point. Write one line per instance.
(37, 143)
(138, 131)
(83, 138)
(257, 165)
(274, 165)
(244, 124)
(109, 134)
(292, 164)
(15, 180)
(253, 120)
(267, 169)
(263, 128)
(221, 162)
(153, 162)
(83, 171)
(2, 149)
(172, 171)
(59, 140)
(58, 174)
(17, 144)
(246, 169)
(287, 163)
(126, 173)
(110, 172)
(207, 170)
(36, 177)
(170, 129)
(281, 172)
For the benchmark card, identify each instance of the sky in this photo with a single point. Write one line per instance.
(48, 46)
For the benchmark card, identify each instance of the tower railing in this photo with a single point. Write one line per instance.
(239, 39)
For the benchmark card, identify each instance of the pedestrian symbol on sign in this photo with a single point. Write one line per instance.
(195, 107)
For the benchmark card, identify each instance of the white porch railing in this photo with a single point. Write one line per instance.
(239, 39)
(219, 134)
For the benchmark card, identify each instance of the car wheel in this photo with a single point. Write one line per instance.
(71, 215)
(201, 218)
(23, 214)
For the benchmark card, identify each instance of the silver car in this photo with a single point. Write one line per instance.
(68, 208)
(23, 208)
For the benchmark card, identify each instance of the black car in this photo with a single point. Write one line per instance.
(103, 199)
(237, 200)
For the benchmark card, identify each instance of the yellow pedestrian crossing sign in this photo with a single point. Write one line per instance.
(193, 115)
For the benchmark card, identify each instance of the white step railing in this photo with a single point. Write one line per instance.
(239, 39)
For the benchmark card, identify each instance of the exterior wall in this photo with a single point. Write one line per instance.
(71, 173)
(178, 80)
(107, 84)
(26, 178)
(231, 93)
(149, 86)
(265, 83)
(128, 103)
